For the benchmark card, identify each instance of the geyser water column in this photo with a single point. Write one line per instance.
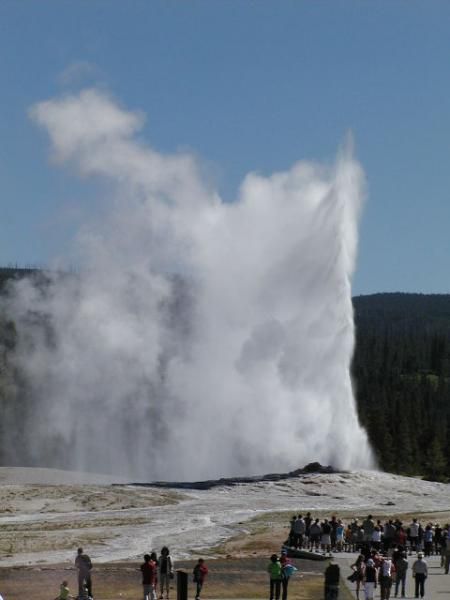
(199, 338)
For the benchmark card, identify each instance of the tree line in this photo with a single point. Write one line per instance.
(401, 374)
(400, 371)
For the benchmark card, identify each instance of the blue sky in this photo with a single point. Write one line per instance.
(246, 86)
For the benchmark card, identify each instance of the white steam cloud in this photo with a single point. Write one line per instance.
(201, 338)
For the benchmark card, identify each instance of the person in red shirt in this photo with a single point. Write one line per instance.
(284, 561)
(148, 569)
(400, 537)
(287, 568)
(200, 572)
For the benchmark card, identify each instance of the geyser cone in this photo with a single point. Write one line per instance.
(200, 338)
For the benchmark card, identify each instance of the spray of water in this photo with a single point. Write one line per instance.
(200, 338)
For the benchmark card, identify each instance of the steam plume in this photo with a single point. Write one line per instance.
(200, 338)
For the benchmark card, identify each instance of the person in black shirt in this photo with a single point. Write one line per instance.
(332, 574)
(84, 565)
(165, 571)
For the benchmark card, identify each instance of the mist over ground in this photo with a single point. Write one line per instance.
(199, 338)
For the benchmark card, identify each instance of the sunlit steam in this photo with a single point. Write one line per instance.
(200, 338)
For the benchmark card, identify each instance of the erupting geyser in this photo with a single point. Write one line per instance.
(200, 338)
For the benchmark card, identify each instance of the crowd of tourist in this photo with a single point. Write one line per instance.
(383, 550)
(384, 569)
(333, 535)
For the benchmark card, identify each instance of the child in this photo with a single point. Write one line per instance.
(64, 592)
(148, 569)
(200, 572)
(154, 559)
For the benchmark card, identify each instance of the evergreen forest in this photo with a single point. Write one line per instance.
(401, 374)
(400, 370)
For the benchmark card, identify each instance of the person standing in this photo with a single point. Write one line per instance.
(333, 525)
(285, 574)
(358, 568)
(200, 572)
(84, 565)
(370, 579)
(400, 537)
(148, 570)
(291, 537)
(376, 538)
(420, 573)
(388, 535)
(287, 569)
(154, 558)
(340, 531)
(332, 577)
(445, 549)
(413, 535)
(299, 531)
(437, 538)
(315, 532)
(275, 575)
(325, 540)
(165, 571)
(428, 536)
(308, 521)
(368, 525)
(386, 572)
(401, 568)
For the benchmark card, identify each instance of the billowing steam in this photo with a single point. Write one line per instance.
(200, 338)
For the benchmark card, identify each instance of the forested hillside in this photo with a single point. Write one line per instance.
(401, 373)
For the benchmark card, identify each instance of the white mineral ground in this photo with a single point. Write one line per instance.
(46, 514)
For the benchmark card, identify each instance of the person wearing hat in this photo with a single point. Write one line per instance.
(332, 578)
(420, 573)
(370, 579)
(284, 562)
(287, 569)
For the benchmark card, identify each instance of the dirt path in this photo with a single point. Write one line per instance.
(233, 579)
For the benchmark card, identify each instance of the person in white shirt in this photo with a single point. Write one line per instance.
(420, 573)
(414, 535)
(376, 538)
(386, 571)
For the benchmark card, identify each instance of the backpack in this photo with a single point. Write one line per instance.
(288, 570)
(332, 575)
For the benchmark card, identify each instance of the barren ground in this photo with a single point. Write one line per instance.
(235, 528)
